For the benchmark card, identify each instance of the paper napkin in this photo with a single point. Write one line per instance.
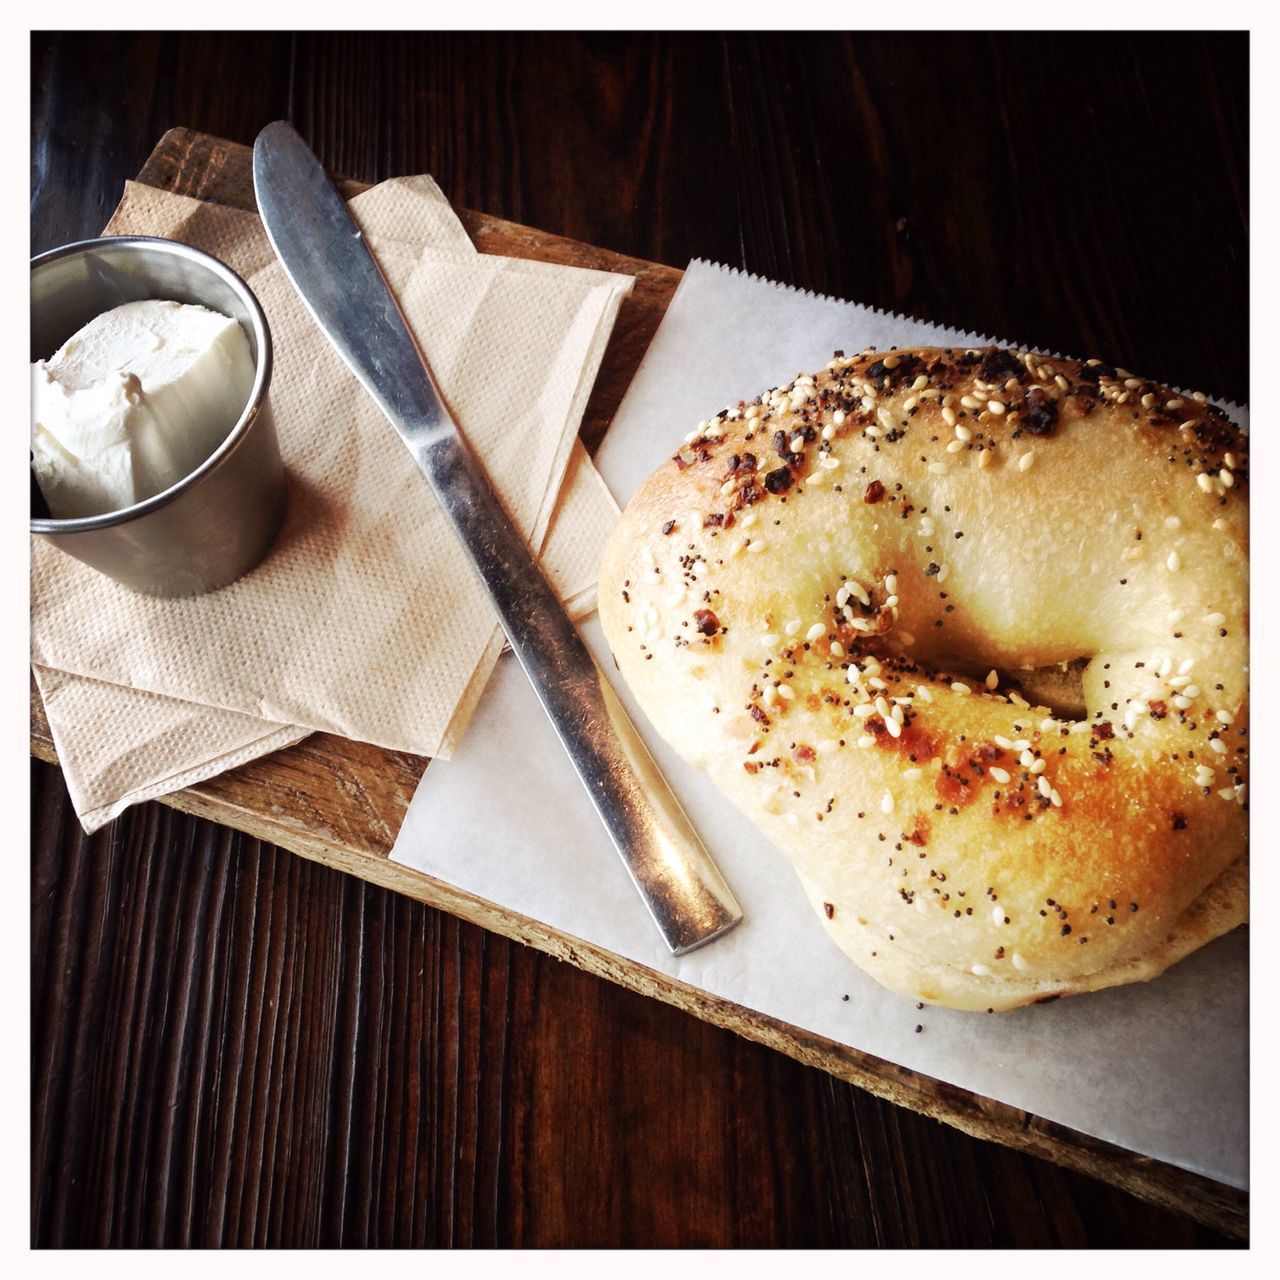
(364, 619)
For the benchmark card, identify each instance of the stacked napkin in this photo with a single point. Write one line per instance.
(365, 619)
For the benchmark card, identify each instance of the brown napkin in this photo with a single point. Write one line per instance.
(364, 619)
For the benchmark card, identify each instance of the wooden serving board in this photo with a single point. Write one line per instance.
(341, 803)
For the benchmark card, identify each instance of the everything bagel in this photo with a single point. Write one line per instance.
(965, 634)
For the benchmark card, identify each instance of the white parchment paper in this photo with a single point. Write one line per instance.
(1160, 1068)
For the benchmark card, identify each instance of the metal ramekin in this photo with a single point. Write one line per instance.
(217, 523)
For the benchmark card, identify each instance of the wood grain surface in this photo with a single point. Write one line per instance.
(231, 1045)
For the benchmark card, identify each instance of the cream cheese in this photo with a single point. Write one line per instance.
(133, 402)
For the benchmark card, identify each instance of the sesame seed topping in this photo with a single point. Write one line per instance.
(1218, 745)
(980, 970)
(958, 687)
(997, 915)
(1215, 619)
(1205, 481)
(1174, 562)
(793, 627)
(992, 679)
(1019, 963)
(816, 631)
(886, 805)
(995, 406)
(1000, 775)
(1024, 462)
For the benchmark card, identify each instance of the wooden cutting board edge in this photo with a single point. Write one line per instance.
(341, 803)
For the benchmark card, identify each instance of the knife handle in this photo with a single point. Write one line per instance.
(680, 884)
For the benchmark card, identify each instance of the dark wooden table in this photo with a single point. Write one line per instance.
(231, 1045)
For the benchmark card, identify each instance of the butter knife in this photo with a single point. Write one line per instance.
(325, 255)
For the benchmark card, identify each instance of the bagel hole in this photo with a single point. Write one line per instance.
(1060, 687)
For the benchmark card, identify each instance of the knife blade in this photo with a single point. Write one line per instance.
(325, 256)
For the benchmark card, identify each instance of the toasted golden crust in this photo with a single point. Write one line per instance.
(830, 598)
